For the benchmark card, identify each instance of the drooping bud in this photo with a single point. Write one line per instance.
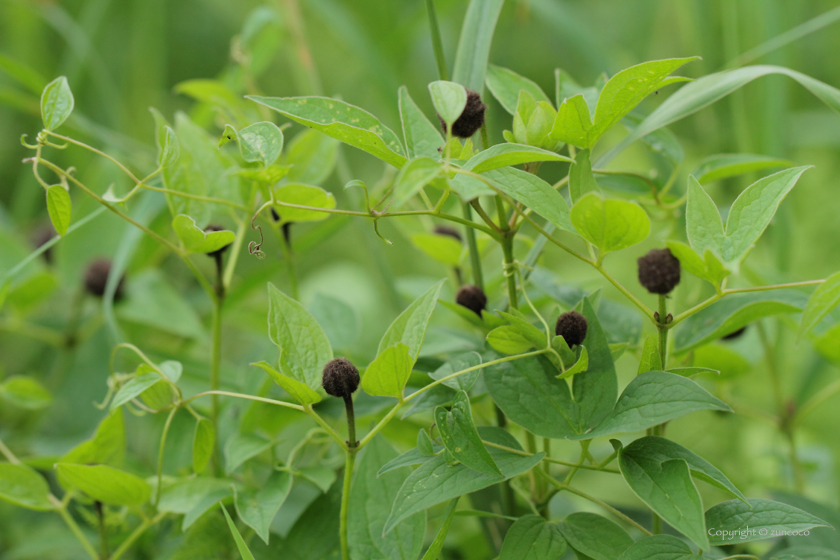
(341, 378)
(659, 271)
(473, 298)
(572, 326)
(451, 232)
(96, 278)
(471, 118)
(218, 252)
(735, 334)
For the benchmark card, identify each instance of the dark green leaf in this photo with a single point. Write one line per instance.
(474, 43)
(460, 437)
(410, 327)
(422, 138)
(594, 536)
(658, 547)
(506, 84)
(244, 552)
(24, 487)
(735, 521)
(533, 538)
(257, 508)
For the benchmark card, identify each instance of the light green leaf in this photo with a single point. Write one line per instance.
(533, 192)
(474, 43)
(434, 550)
(185, 494)
(133, 388)
(107, 446)
(298, 390)
(449, 100)
(257, 507)
(304, 347)
(659, 547)
(533, 538)
(56, 103)
(579, 366)
(610, 224)
(196, 240)
(24, 487)
(763, 517)
(508, 339)
(414, 175)
(707, 268)
(573, 124)
(25, 392)
(105, 484)
(244, 552)
(303, 195)
(460, 437)
(594, 536)
(410, 327)
(825, 298)
(387, 375)
(506, 84)
(59, 207)
(312, 155)
(460, 362)
(650, 359)
(655, 397)
(265, 175)
(170, 150)
(504, 155)
(322, 477)
(723, 166)
(204, 441)
(442, 248)
(581, 180)
(668, 490)
(241, 447)
(342, 121)
(422, 138)
(261, 142)
(371, 497)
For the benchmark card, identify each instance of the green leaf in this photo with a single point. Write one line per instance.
(298, 390)
(387, 375)
(723, 166)
(241, 447)
(460, 437)
(443, 248)
(414, 175)
(707, 268)
(24, 487)
(474, 43)
(460, 362)
(610, 224)
(825, 298)
(434, 550)
(196, 240)
(533, 538)
(257, 508)
(56, 103)
(204, 441)
(422, 138)
(312, 155)
(661, 449)
(25, 392)
(733, 312)
(304, 347)
(594, 536)
(579, 366)
(449, 100)
(170, 150)
(260, 142)
(655, 397)
(322, 477)
(303, 195)
(59, 207)
(186, 494)
(107, 446)
(410, 327)
(650, 359)
(728, 521)
(506, 84)
(244, 553)
(668, 490)
(581, 180)
(573, 124)
(533, 192)
(508, 340)
(133, 388)
(410, 458)
(371, 497)
(521, 323)
(505, 155)
(659, 547)
(342, 121)
(339, 320)
(105, 484)
(437, 481)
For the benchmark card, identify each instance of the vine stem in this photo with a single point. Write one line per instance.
(247, 397)
(123, 548)
(161, 450)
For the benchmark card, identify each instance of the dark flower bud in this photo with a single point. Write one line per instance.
(41, 236)
(735, 334)
(96, 277)
(451, 232)
(572, 327)
(471, 118)
(218, 252)
(473, 298)
(341, 378)
(659, 271)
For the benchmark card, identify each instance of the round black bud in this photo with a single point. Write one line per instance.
(341, 378)
(471, 118)
(659, 271)
(735, 334)
(218, 252)
(451, 232)
(473, 298)
(96, 277)
(41, 236)
(572, 327)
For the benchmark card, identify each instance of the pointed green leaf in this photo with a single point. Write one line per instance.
(610, 224)
(659, 547)
(134, 388)
(650, 359)
(505, 155)
(260, 142)
(422, 138)
(506, 84)
(24, 487)
(824, 299)
(25, 392)
(594, 536)
(56, 103)
(434, 550)
(414, 175)
(581, 180)
(474, 43)
(257, 507)
(170, 150)
(410, 327)
(533, 538)
(244, 552)
(298, 390)
(707, 268)
(387, 375)
(508, 340)
(460, 437)
(441, 247)
(573, 124)
(723, 166)
(106, 484)
(59, 207)
(728, 521)
(204, 441)
(579, 366)
(241, 447)
(449, 100)
(196, 240)
(533, 192)
(303, 195)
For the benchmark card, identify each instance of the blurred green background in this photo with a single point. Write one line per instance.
(122, 57)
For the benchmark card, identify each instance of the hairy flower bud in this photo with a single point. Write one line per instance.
(218, 252)
(471, 118)
(659, 271)
(341, 378)
(96, 277)
(473, 298)
(451, 232)
(572, 327)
